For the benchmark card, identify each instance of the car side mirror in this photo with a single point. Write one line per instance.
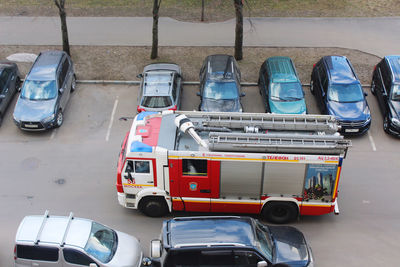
(262, 264)
(198, 94)
(61, 90)
(93, 265)
(242, 94)
(155, 248)
(2, 96)
(139, 76)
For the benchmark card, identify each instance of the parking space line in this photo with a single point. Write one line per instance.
(371, 140)
(111, 120)
(53, 134)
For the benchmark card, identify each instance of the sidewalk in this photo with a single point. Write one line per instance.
(372, 35)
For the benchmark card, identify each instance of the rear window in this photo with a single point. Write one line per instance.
(39, 253)
(156, 101)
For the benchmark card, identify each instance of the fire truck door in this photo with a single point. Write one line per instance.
(195, 184)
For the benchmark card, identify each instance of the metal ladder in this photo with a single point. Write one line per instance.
(266, 121)
(278, 143)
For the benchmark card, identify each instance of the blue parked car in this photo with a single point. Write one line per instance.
(339, 93)
(280, 87)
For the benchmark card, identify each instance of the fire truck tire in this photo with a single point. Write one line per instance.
(153, 207)
(279, 212)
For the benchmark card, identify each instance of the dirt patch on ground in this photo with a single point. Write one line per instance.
(214, 10)
(124, 63)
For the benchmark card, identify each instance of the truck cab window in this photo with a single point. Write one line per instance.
(194, 167)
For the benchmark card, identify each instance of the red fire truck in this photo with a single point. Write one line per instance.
(280, 166)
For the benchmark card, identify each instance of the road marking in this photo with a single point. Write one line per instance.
(112, 119)
(53, 134)
(371, 140)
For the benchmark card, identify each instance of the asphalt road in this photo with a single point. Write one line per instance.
(373, 35)
(73, 168)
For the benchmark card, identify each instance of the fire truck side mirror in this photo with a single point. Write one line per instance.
(155, 248)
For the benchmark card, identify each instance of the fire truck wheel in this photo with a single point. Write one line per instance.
(279, 212)
(153, 207)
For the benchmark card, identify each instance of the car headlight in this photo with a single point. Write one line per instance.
(15, 119)
(49, 118)
(396, 121)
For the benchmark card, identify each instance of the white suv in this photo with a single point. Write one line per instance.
(44, 240)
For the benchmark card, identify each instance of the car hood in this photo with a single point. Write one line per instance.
(290, 246)
(288, 107)
(220, 105)
(353, 111)
(128, 254)
(34, 110)
(395, 108)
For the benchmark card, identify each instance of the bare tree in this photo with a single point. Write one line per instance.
(202, 10)
(239, 29)
(64, 31)
(154, 47)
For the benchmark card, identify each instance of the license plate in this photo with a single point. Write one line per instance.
(31, 126)
(351, 130)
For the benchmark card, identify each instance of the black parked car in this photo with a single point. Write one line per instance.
(229, 241)
(45, 92)
(10, 81)
(220, 84)
(386, 87)
(339, 93)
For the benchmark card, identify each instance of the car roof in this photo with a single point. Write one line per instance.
(51, 230)
(6, 64)
(220, 64)
(45, 66)
(281, 69)
(203, 231)
(394, 64)
(157, 83)
(340, 70)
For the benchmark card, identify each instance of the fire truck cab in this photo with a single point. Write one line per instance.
(280, 166)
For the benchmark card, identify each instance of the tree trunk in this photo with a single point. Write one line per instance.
(154, 47)
(64, 32)
(239, 29)
(202, 10)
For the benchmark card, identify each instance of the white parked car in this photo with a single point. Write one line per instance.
(44, 240)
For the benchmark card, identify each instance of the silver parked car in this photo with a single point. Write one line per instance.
(45, 92)
(44, 240)
(160, 88)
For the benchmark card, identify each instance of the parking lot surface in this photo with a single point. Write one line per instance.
(73, 168)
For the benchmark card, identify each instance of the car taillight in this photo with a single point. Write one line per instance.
(174, 108)
(314, 65)
(15, 252)
(375, 68)
(139, 109)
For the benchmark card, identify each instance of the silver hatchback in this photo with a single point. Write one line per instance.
(44, 240)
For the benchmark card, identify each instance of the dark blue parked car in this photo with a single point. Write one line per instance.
(386, 87)
(229, 241)
(220, 84)
(339, 93)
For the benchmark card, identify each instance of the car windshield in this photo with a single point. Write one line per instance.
(286, 91)
(39, 90)
(220, 90)
(345, 93)
(102, 243)
(264, 241)
(156, 101)
(395, 94)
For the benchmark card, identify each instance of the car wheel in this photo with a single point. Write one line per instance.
(279, 212)
(153, 207)
(386, 124)
(373, 87)
(312, 87)
(73, 83)
(59, 118)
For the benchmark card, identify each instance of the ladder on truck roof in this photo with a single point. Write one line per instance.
(268, 121)
(278, 143)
